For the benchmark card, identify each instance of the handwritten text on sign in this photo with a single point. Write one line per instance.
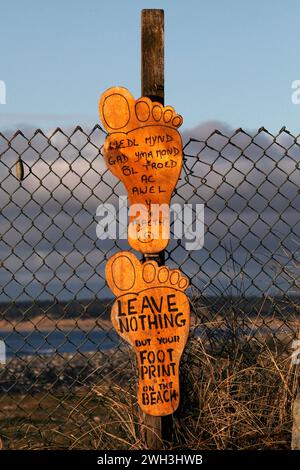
(144, 150)
(151, 313)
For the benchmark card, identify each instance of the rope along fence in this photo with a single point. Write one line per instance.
(65, 364)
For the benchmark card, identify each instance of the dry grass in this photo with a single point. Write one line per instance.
(242, 401)
(239, 401)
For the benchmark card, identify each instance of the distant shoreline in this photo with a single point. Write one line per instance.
(43, 323)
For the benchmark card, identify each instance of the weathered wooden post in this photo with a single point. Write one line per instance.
(154, 428)
(152, 55)
(151, 312)
(295, 444)
(296, 424)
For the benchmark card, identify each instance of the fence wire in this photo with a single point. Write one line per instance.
(64, 359)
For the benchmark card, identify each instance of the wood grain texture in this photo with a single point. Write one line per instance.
(152, 314)
(144, 151)
(20, 170)
(152, 60)
(296, 424)
(155, 428)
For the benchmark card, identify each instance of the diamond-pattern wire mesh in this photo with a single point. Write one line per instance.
(54, 300)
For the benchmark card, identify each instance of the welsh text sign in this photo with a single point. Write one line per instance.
(143, 150)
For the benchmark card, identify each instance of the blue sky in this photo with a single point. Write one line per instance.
(230, 61)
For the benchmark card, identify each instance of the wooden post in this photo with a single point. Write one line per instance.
(153, 68)
(155, 429)
(153, 84)
(295, 445)
(296, 424)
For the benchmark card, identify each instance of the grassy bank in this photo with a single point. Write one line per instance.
(240, 399)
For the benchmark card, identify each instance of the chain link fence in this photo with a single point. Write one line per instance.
(64, 362)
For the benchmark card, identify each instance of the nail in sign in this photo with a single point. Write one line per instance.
(151, 313)
(144, 150)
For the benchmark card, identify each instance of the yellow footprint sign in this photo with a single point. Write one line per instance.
(143, 150)
(152, 314)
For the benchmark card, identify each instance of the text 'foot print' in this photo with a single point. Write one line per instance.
(152, 313)
(144, 150)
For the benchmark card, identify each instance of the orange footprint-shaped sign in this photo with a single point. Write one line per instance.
(144, 150)
(151, 313)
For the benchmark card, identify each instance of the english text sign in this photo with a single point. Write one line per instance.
(151, 313)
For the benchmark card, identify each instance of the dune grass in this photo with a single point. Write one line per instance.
(240, 399)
